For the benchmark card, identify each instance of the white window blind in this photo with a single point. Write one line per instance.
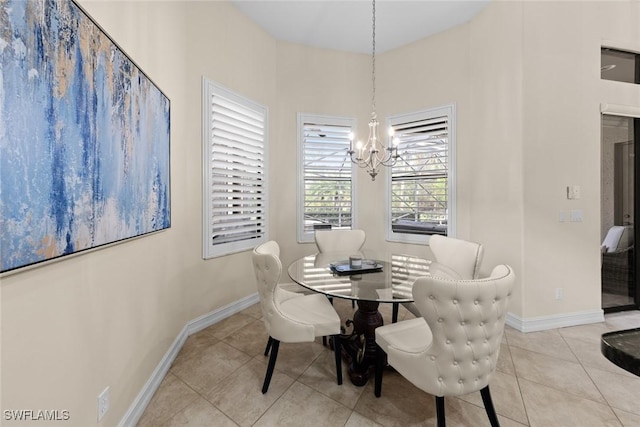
(421, 181)
(235, 172)
(326, 186)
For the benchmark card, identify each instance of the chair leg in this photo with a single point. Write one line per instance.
(394, 316)
(380, 362)
(324, 339)
(266, 350)
(440, 411)
(275, 344)
(488, 406)
(338, 355)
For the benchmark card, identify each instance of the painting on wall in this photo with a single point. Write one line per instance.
(84, 137)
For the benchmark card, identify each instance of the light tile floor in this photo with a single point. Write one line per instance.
(550, 378)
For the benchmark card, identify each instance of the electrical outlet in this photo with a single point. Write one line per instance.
(103, 403)
(559, 294)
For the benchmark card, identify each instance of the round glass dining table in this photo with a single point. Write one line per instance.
(385, 277)
(391, 282)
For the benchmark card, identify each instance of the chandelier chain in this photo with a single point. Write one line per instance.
(373, 57)
(373, 154)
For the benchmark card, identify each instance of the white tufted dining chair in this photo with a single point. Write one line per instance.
(290, 287)
(347, 241)
(453, 348)
(288, 316)
(462, 256)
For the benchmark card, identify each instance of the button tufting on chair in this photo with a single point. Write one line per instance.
(458, 347)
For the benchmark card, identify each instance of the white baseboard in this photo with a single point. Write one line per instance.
(140, 403)
(533, 324)
(137, 408)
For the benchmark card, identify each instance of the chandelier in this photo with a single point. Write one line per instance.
(372, 154)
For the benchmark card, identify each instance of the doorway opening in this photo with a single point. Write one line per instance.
(619, 198)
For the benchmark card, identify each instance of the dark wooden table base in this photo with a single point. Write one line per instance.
(359, 347)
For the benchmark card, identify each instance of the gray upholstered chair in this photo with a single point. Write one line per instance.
(290, 317)
(453, 348)
(461, 256)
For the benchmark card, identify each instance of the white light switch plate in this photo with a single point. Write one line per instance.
(573, 192)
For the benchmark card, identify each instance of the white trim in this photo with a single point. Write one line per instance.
(137, 408)
(542, 323)
(303, 118)
(206, 320)
(140, 403)
(450, 111)
(209, 89)
(620, 110)
(617, 45)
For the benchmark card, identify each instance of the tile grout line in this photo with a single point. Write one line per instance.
(515, 374)
(592, 381)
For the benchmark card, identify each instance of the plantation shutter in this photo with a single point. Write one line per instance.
(419, 179)
(236, 174)
(327, 173)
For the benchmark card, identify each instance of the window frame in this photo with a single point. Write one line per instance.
(448, 110)
(209, 250)
(328, 120)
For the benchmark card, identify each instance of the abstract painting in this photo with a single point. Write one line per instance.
(84, 137)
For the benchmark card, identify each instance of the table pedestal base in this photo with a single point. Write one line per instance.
(359, 348)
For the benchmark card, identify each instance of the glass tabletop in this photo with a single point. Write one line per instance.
(393, 283)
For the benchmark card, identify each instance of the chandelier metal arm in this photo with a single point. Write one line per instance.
(373, 153)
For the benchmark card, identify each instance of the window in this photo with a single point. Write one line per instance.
(234, 172)
(326, 182)
(619, 65)
(421, 199)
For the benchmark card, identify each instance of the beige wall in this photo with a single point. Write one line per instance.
(107, 318)
(494, 168)
(315, 81)
(524, 77)
(563, 92)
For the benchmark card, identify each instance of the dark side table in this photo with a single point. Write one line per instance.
(623, 349)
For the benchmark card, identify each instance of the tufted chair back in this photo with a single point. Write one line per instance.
(461, 255)
(466, 319)
(339, 240)
(268, 269)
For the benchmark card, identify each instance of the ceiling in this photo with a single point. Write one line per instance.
(346, 25)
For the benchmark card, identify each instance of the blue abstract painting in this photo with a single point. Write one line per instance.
(84, 137)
